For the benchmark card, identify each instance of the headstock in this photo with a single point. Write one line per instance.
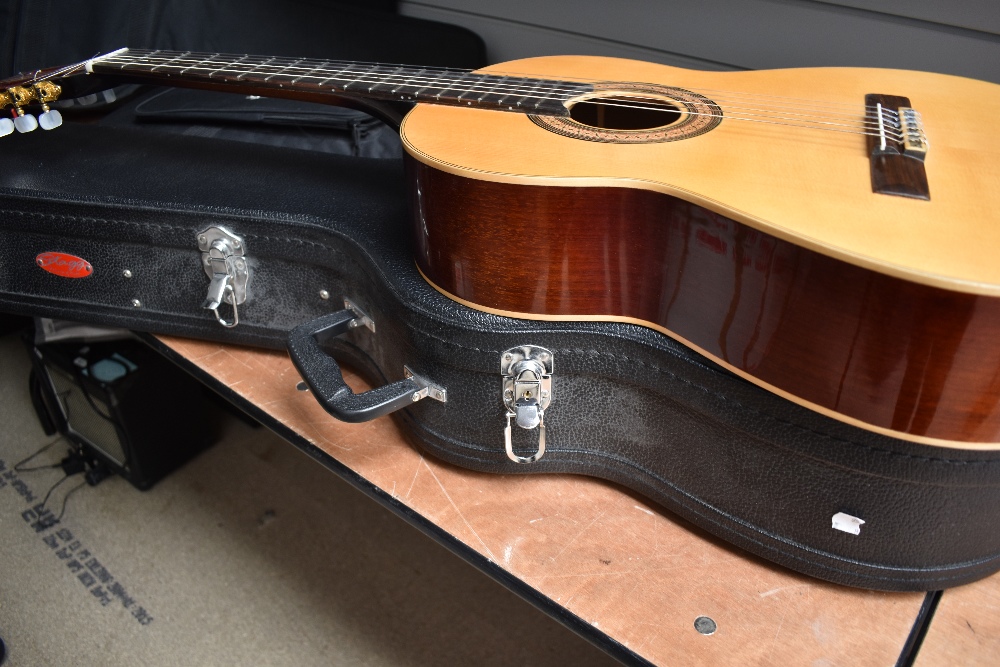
(16, 98)
(24, 95)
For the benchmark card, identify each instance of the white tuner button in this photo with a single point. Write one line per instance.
(6, 126)
(50, 119)
(25, 123)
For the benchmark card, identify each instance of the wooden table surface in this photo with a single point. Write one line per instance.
(622, 566)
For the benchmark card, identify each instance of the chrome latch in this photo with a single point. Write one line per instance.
(223, 256)
(527, 392)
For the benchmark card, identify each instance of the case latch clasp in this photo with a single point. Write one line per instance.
(527, 392)
(223, 256)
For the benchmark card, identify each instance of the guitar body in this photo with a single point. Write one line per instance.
(760, 245)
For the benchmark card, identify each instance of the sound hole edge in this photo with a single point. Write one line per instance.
(623, 113)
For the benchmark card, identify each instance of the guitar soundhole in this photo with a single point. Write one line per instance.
(625, 113)
(635, 113)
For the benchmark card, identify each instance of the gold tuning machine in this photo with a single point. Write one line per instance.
(17, 97)
(46, 91)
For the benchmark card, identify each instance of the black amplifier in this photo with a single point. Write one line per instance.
(124, 405)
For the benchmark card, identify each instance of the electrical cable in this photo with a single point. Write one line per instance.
(62, 511)
(18, 468)
(66, 498)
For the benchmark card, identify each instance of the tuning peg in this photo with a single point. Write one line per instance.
(25, 122)
(50, 119)
(6, 126)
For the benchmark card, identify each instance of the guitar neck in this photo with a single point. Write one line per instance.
(331, 79)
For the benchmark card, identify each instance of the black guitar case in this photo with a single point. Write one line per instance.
(159, 217)
(209, 202)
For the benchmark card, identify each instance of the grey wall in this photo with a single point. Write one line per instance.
(951, 36)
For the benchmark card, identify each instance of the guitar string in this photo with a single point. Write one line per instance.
(806, 123)
(655, 105)
(799, 120)
(792, 124)
(413, 80)
(786, 102)
(178, 63)
(193, 64)
(534, 77)
(803, 121)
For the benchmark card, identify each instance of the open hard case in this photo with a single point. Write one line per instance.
(174, 228)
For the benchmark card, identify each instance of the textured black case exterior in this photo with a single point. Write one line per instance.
(629, 404)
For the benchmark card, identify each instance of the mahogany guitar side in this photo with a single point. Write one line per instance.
(849, 314)
(876, 350)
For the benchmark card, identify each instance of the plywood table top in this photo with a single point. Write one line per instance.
(615, 566)
(966, 627)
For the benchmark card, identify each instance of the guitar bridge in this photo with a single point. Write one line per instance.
(897, 147)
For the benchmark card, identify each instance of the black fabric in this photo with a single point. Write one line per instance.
(273, 122)
(630, 405)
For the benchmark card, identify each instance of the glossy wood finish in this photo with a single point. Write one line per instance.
(912, 360)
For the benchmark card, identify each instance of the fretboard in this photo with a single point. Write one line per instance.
(318, 78)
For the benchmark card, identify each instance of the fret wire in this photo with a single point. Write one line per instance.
(501, 101)
(395, 71)
(173, 55)
(253, 70)
(237, 62)
(198, 64)
(282, 70)
(408, 82)
(333, 78)
(459, 73)
(429, 84)
(381, 82)
(349, 83)
(167, 63)
(404, 83)
(298, 78)
(537, 82)
(459, 80)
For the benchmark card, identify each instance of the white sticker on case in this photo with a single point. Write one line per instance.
(847, 523)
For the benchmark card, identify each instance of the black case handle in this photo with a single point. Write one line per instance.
(326, 380)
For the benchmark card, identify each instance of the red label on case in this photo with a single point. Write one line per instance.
(61, 264)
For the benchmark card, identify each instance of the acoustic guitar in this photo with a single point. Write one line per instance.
(831, 234)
